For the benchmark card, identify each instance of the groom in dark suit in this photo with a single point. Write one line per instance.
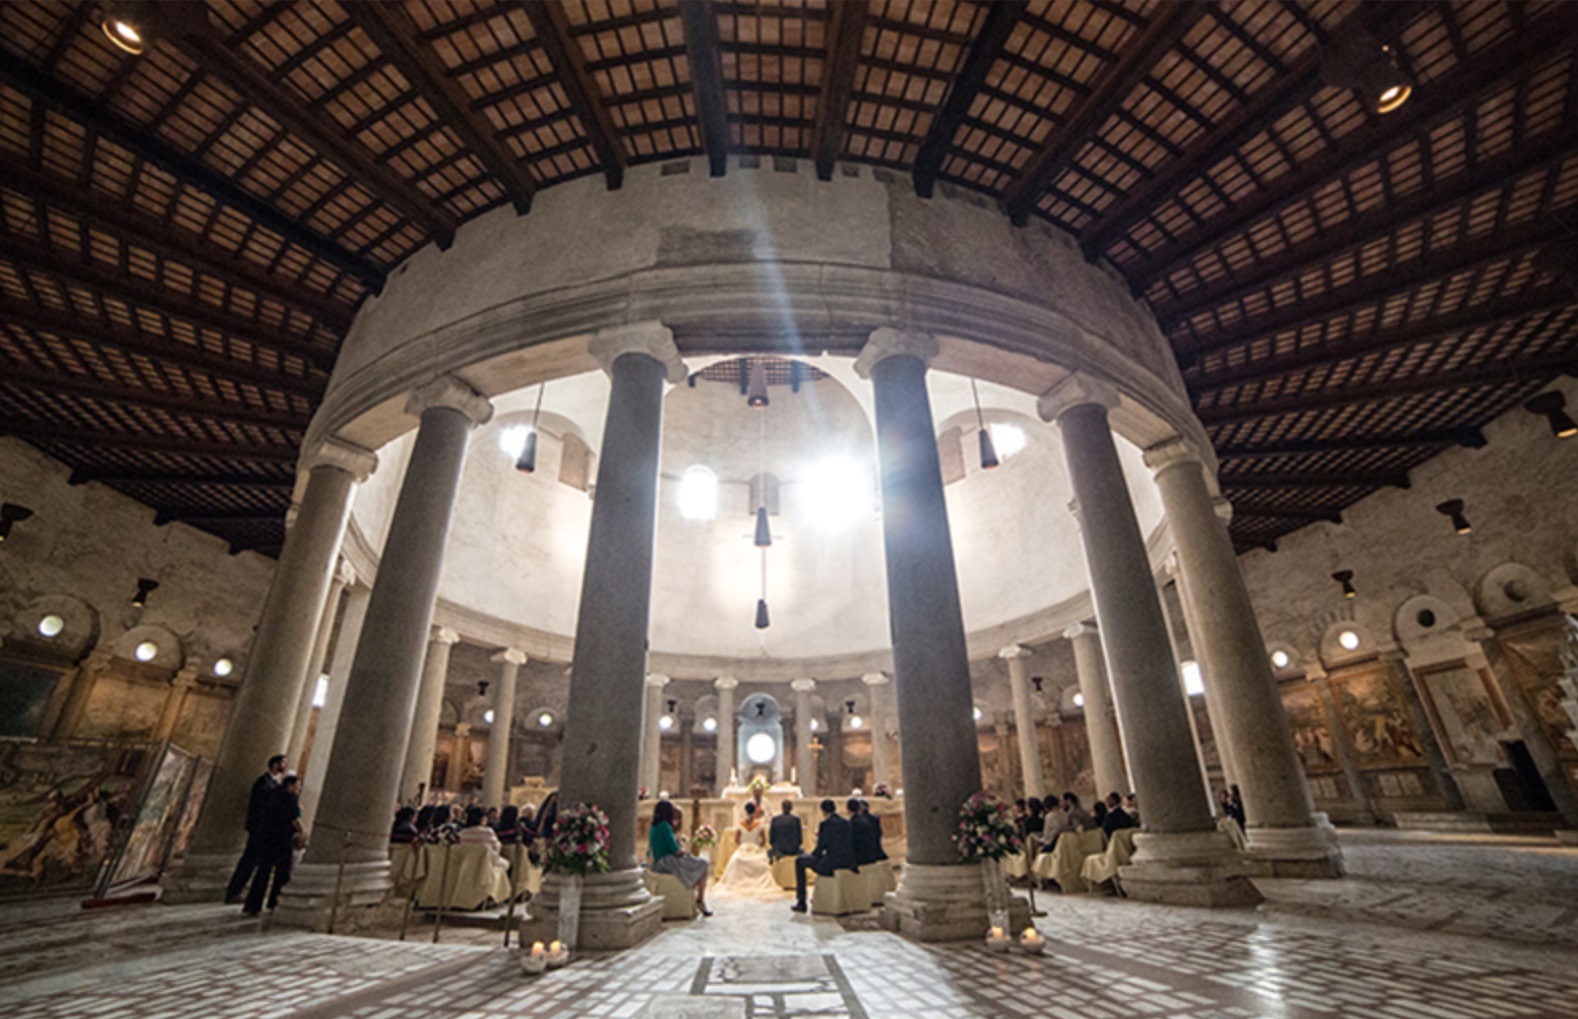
(785, 837)
(835, 850)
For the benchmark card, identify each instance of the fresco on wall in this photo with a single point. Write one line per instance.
(1372, 709)
(25, 689)
(1307, 718)
(1075, 762)
(1468, 719)
(122, 707)
(1534, 653)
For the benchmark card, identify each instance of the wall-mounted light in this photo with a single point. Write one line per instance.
(1454, 508)
(147, 651)
(667, 721)
(223, 667)
(855, 721)
(1079, 701)
(1345, 578)
(1038, 681)
(482, 688)
(12, 513)
(975, 713)
(1551, 406)
(145, 587)
(544, 720)
(815, 725)
(1280, 659)
(709, 724)
(1348, 640)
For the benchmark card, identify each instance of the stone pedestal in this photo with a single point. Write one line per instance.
(946, 903)
(496, 779)
(1187, 869)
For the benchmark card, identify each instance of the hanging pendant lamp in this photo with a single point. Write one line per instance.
(527, 463)
(756, 392)
(988, 451)
(764, 534)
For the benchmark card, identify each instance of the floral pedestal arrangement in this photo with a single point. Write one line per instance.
(577, 847)
(986, 834)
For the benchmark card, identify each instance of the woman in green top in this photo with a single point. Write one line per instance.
(667, 859)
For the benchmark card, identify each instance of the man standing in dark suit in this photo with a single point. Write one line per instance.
(277, 836)
(835, 850)
(257, 810)
(785, 837)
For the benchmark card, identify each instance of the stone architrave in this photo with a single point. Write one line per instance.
(348, 857)
(602, 732)
(881, 773)
(496, 777)
(1108, 769)
(1180, 856)
(804, 755)
(728, 723)
(351, 619)
(320, 652)
(1024, 719)
(938, 898)
(264, 709)
(652, 735)
(422, 744)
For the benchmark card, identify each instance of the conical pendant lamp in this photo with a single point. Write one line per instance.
(527, 463)
(988, 451)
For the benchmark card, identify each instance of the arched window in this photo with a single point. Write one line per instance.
(698, 494)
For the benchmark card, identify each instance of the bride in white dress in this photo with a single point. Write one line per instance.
(748, 871)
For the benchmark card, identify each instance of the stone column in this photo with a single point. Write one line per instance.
(170, 713)
(416, 775)
(881, 770)
(1213, 697)
(652, 735)
(1024, 719)
(602, 732)
(1529, 726)
(1101, 724)
(1283, 829)
(1341, 745)
(726, 729)
(1005, 757)
(1183, 684)
(343, 576)
(937, 897)
(264, 709)
(354, 613)
(363, 781)
(80, 690)
(1419, 718)
(496, 776)
(1180, 857)
(804, 756)
(687, 754)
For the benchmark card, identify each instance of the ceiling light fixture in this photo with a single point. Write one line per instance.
(145, 587)
(12, 513)
(1360, 61)
(1454, 508)
(756, 389)
(124, 35)
(988, 451)
(1345, 578)
(527, 463)
(1551, 406)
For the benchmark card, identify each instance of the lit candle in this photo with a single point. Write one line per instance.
(997, 933)
(556, 947)
(1031, 934)
(537, 949)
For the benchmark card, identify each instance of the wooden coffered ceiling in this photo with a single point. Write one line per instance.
(187, 233)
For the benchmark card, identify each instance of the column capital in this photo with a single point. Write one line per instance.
(803, 685)
(509, 656)
(345, 573)
(652, 338)
(1013, 651)
(1081, 630)
(1077, 390)
(874, 679)
(725, 683)
(1171, 453)
(354, 460)
(886, 342)
(1170, 564)
(443, 635)
(1223, 509)
(656, 681)
(448, 391)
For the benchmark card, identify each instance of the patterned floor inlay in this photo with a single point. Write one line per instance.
(780, 986)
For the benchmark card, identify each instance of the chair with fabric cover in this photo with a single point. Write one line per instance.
(842, 892)
(465, 876)
(1097, 870)
(525, 877)
(408, 866)
(679, 902)
(1235, 834)
(879, 880)
(783, 873)
(1063, 864)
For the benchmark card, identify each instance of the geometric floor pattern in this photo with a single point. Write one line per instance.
(1107, 959)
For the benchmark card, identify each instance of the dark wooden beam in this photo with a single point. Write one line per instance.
(580, 88)
(34, 432)
(1437, 197)
(1344, 479)
(1470, 438)
(187, 169)
(1528, 370)
(704, 50)
(844, 33)
(1483, 316)
(1551, 33)
(197, 515)
(996, 29)
(186, 24)
(1366, 291)
(132, 226)
(126, 476)
(110, 335)
(1284, 513)
(1112, 86)
(391, 30)
(27, 377)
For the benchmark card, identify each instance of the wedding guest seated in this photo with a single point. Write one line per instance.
(508, 826)
(785, 836)
(863, 838)
(1035, 820)
(477, 830)
(1117, 818)
(1021, 813)
(1131, 803)
(405, 830)
(667, 859)
(424, 819)
(834, 850)
(875, 823)
(1069, 817)
(1098, 815)
(492, 818)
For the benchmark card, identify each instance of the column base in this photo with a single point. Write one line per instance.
(617, 912)
(1197, 868)
(1311, 851)
(201, 877)
(365, 899)
(944, 903)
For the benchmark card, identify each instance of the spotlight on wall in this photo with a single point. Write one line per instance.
(756, 389)
(1360, 61)
(1551, 406)
(12, 513)
(667, 721)
(145, 587)
(1454, 508)
(544, 720)
(1280, 659)
(1345, 578)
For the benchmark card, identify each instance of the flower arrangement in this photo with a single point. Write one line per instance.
(758, 785)
(986, 829)
(703, 837)
(579, 843)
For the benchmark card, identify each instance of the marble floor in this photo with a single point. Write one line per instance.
(1427, 927)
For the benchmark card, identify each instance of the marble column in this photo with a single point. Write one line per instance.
(343, 576)
(881, 769)
(351, 619)
(727, 727)
(1213, 696)
(416, 775)
(1005, 757)
(1101, 723)
(180, 684)
(1024, 719)
(937, 897)
(496, 776)
(602, 732)
(1283, 829)
(1180, 857)
(652, 735)
(1535, 736)
(804, 756)
(1341, 745)
(687, 754)
(264, 709)
(365, 765)
(1183, 684)
(1419, 718)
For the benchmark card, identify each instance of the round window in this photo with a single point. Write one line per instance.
(147, 651)
(51, 625)
(761, 749)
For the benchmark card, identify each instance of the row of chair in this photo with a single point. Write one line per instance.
(466, 876)
(1089, 860)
